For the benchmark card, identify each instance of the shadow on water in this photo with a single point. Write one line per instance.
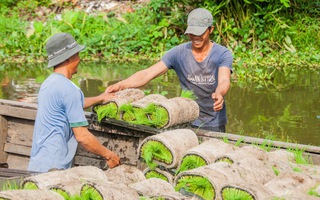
(285, 109)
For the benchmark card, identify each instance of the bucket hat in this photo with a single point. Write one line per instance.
(198, 22)
(60, 47)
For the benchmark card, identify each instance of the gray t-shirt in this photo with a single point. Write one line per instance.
(201, 78)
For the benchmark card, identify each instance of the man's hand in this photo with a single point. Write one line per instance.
(218, 101)
(106, 96)
(113, 160)
(113, 88)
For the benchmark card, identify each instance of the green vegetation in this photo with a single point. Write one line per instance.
(300, 156)
(313, 191)
(267, 37)
(197, 185)
(154, 150)
(29, 185)
(232, 193)
(155, 174)
(191, 162)
(109, 110)
(89, 192)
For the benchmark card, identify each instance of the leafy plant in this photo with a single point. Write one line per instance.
(190, 162)
(197, 185)
(154, 150)
(155, 174)
(230, 193)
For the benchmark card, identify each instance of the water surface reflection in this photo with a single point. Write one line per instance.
(287, 109)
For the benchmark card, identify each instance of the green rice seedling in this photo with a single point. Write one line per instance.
(141, 117)
(299, 156)
(157, 115)
(109, 110)
(10, 185)
(232, 193)
(189, 94)
(76, 197)
(275, 170)
(296, 169)
(155, 174)
(127, 111)
(191, 162)
(239, 141)
(62, 192)
(154, 150)
(226, 139)
(224, 159)
(197, 185)
(313, 191)
(88, 192)
(29, 185)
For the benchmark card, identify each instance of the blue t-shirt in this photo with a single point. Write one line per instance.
(201, 78)
(60, 107)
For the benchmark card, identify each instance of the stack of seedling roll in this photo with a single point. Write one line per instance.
(88, 182)
(141, 111)
(110, 108)
(30, 195)
(162, 152)
(66, 182)
(167, 148)
(152, 110)
(206, 153)
(157, 111)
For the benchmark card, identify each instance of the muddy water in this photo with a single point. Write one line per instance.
(286, 109)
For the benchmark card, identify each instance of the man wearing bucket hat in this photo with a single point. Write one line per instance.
(60, 122)
(202, 66)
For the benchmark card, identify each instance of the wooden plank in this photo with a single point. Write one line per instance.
(20, 131)
(125, 146)
(18, 162)
(19, 112)
(3, 138)
(86, 161)
(17, 149)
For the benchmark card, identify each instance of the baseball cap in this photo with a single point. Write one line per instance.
(199, 20)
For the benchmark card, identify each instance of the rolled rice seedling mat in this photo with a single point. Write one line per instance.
(242, 153)
(153, 187)
(109, 190)
(289, 182)
(167, 148)
(67, 189)
(253, 170)
(110, 108)
(204, 154)
(180, 110)
(206, 181)
(125, 174)
(29, 195)
(146, 100)
(294, 196)
(158, 173)
(280, 160)
(138, 111)
(281, 154)
(311, 170)
(53, 178)
(244, 191)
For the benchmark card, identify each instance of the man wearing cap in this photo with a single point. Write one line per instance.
(202, 66)
(60, 122)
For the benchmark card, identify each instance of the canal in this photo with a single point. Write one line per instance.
(285, 108)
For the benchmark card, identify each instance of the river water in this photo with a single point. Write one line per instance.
(284, 109)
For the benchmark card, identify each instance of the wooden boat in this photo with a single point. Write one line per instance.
(16, 130)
